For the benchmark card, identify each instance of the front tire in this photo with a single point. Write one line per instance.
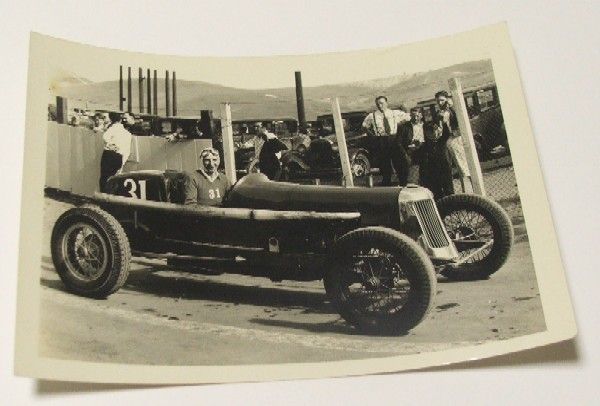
(472, 220)
(380, 281)
(90, 251)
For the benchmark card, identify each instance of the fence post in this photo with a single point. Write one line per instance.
(347, 181)
(466, 133)
(61, 110)
(228, 152)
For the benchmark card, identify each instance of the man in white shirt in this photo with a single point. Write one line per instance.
(383, 125)
(117, 147)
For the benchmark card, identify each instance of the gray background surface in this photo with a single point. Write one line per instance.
(557, 48)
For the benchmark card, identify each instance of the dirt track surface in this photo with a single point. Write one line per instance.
(176, 318)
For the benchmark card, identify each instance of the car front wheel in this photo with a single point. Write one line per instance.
(482, 233)
(90, 251)
(380, 281)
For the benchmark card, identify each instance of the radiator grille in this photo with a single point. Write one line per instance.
(430, 222)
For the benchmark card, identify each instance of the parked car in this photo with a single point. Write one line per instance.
(487, 122)
(322, 160)
(376, 249)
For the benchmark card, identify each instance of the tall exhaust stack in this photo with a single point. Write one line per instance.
(141, 89)
(174, 93)
(129, 89)
(148, 92)
(155, 94)
(167, 95)
(121, 88)
(300, 103)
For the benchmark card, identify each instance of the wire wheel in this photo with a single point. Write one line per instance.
(482, 233)
(380, 280)
(360, 165)
(85, 251)
(471, 233)
(376, 283)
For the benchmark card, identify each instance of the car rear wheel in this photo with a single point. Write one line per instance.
(90, 251)
(361, 166)
(380, 281)
(482, 233)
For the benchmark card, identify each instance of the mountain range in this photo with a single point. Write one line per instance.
(193, 96)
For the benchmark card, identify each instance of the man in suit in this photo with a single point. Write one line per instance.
(411, 137)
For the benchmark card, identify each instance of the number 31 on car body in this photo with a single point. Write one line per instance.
(131, 187)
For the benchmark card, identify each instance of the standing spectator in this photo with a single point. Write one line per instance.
(411, 135)
(269, 153)
(446, 117)
(383, 124)
(435, 162)
(117, 147)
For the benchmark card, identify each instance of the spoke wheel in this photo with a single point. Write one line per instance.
(472, 234)
(482, 233)
(90, 251)
(360, 165)
(380, 281)
(85, 251)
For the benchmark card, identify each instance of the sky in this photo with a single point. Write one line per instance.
(102, 64)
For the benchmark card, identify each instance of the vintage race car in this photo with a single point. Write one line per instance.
(377, 249)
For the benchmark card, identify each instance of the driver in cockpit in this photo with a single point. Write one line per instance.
(206, 186)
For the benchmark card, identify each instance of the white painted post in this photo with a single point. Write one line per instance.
(347, 181)
(466, 133)
(227, 133)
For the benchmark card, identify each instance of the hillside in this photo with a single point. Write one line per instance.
(193, 96)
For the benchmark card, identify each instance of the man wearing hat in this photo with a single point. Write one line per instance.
(206, 186)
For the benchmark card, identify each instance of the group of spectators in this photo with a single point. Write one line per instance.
(419, 153)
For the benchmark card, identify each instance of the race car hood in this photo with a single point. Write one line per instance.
(377, 206)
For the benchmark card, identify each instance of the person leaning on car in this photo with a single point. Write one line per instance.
(383, 125)
(206, 186)
(446, 117)
(117, 146)
(411, 136)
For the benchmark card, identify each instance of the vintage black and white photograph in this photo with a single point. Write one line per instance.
(281, 210)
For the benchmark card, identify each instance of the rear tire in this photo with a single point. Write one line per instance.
(497, 227)
(90, 251)
(369, 266)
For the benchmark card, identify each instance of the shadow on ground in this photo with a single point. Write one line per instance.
(147, 281)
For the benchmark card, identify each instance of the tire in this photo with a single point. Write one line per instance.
(361, 166)
(490, 260)
(407, 261)
(99, 268)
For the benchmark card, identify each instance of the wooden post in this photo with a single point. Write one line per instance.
(174, 93)
(300, 103)
(141, 89)
(347, 180)
(155, 94)
(466, 133)
(228, 152)
(167, 95)
(62, 116)
(148, 92)
(129, 108)
(121, 99)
